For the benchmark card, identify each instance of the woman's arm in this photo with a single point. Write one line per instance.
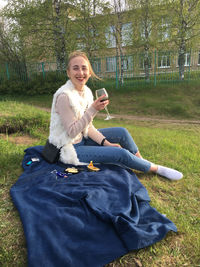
(73, 126)
(96, 136)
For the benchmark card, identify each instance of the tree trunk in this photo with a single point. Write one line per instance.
(146, 45)
(181, 60)
(146, 64)
(59, 37)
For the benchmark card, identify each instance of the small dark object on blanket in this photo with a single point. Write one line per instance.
(86, 220)
(50, 152)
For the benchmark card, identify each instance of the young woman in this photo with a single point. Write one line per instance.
(71, 128)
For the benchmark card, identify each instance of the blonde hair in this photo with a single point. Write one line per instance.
(82, 54)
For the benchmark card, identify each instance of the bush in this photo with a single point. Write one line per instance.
(36, 85)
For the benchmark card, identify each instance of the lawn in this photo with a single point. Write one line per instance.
(172, 101)
(176, 145)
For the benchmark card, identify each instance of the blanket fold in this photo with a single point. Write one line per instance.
(87, 219)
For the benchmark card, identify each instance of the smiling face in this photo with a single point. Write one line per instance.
(78, 72)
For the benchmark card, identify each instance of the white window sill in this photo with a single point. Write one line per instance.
(164, 67)
(187, 66)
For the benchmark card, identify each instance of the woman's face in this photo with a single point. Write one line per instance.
(78, 72)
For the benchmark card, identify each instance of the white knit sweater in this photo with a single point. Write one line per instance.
(58, 135)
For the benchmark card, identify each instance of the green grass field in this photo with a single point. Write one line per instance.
(175, 145)
(173, 101)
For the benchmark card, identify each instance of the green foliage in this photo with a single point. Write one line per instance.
(38, 84)
(11, 48)
(47, 29)
(90, 26)
(184, 24)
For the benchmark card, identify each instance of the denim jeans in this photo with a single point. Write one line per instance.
(88, 150)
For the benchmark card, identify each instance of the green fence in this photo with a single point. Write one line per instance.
(130, 70)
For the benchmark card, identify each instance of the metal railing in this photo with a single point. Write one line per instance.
(129, 70)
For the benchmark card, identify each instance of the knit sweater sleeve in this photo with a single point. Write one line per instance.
(72, 125)
(95, 135)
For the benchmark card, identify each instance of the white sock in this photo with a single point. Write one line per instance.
(169, 173)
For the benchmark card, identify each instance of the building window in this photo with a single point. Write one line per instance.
(145, 30)
(111, 64)
(142, 61)
(164, 28)
(199, 59)
(93, 32)
(164, 61)
(128, 63)
(81, 46)
(127, 34)
(96, 65)
(187, 60)
(110, 37)
(80, 35)
(80, 41)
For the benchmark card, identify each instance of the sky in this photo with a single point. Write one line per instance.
(2, 3)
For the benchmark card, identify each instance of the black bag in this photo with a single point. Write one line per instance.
(50, 152)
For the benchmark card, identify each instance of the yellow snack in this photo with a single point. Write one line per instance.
(71, 170)
(91, 167)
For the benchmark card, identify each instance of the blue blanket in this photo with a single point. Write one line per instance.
(83, 220)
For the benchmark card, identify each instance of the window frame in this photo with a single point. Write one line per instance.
(111, 61)
(110, 37)
(141, 61)
(128, 59)
(198, 64)
(125, 33)
(96, 65)
(187, 62)
(168, 59)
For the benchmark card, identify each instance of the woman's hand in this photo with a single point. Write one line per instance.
(107, 143)
(98, 104)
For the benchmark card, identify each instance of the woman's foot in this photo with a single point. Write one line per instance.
(169, 173)
(166, 172)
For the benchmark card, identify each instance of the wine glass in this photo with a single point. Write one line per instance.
(99, 93)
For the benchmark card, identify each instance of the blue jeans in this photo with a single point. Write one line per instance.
(88, 150)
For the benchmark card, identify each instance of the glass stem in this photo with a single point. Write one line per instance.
(106, 109)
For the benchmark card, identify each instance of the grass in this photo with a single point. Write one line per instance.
(172, 101)
(174, 145)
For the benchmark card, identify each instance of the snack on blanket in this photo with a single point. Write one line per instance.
(71, 170)
(92, 168)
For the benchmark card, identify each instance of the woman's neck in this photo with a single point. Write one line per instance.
(79, 89)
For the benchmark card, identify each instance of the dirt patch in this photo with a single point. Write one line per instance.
(18, 140)
(140, 118)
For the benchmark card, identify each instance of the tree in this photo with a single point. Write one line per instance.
(7, 51)
(43, 26)
(59, 35)
(117, 19)
(11, 51)
(147, 16)
(90, 26)
(185, 17)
